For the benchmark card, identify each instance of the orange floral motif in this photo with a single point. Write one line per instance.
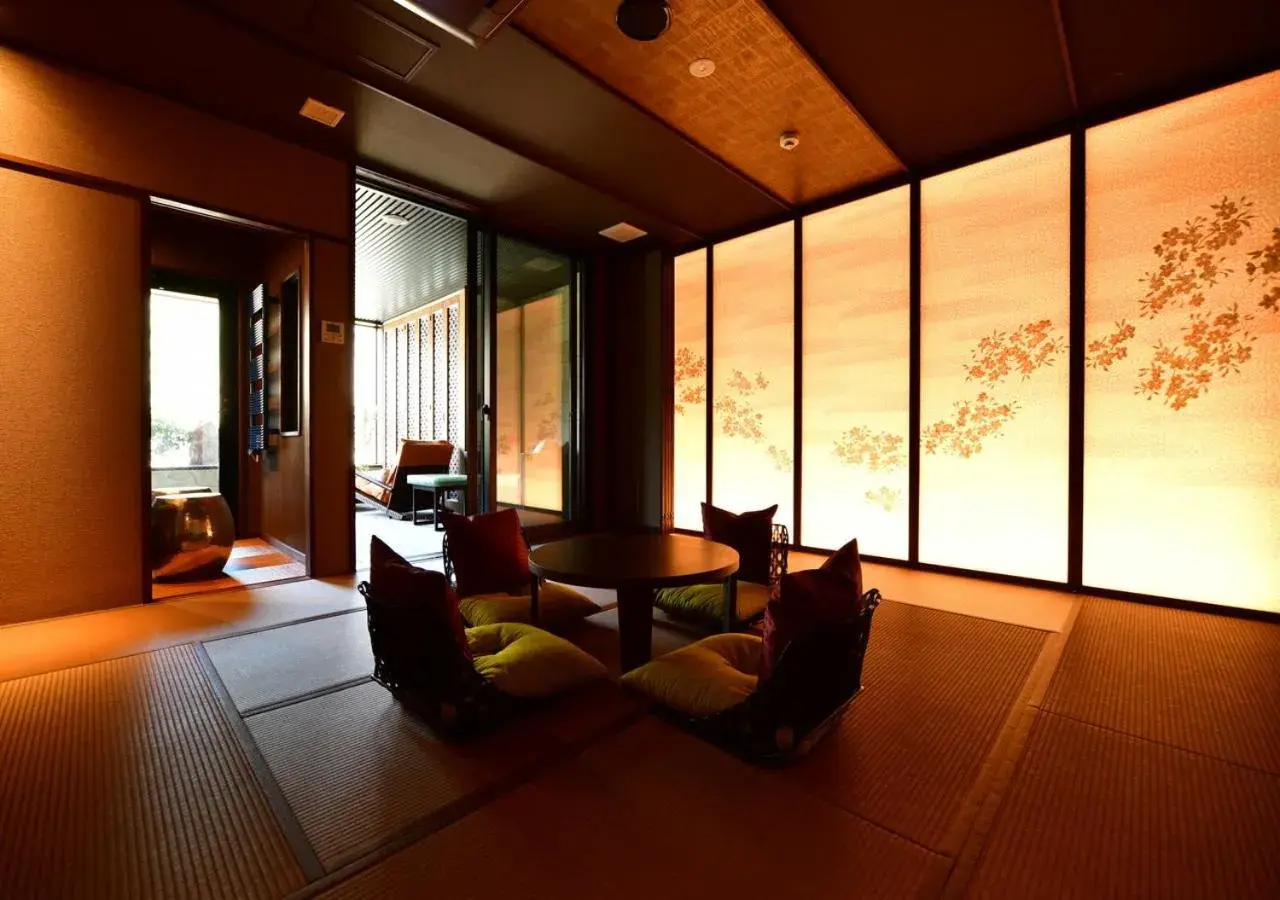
(1264, 266)
(739, 419)
(690, 379)
(781, 458)
(1210, 344)
(1024, 350)
(974, 421)
(747, 386)
(1107, 351)
(1189, 259)
(885, 497)
(879, 451)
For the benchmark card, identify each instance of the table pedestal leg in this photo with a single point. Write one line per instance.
(635, 624)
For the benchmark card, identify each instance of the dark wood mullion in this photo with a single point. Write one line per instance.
(913, 427)
(1076, 348)
(797, 380)
(710, 398)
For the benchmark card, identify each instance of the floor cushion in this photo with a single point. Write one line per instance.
(558, 606)
(704, 603)
(525, 661)
(704, 678)
(488, 553)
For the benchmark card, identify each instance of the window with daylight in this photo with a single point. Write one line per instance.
(994, 395)
(1182, 357)
(753, 366)
(856, 386)
(689, 433)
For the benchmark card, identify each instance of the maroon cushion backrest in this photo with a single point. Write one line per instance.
(750, 533)
(827, 595)
(416, 619)
(488, 553)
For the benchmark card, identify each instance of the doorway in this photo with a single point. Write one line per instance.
(409, 370)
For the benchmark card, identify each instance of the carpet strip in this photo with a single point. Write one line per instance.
(1193, 680)
(653, 812)
(1093, 813)
(938, 688)
(124, 779)
(270, 666)
(357, 769)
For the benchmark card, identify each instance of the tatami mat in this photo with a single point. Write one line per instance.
(273, 665)
(598, 635)
(124, 779)
(652, 813)
(938, 688)
(1202, 682)
(1092, 813)
(357, 768)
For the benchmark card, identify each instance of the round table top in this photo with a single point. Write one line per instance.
(610, 560)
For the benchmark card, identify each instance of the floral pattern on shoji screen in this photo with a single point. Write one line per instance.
(1182, 356)
(753, 365)
(856, 387)
(689, 432)
(546, 358)
(995, 309)
(509, 488)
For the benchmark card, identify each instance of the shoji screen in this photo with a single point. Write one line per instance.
(689, 434)
(995, 300)
(753, 363)
(1182, 379)
(856, 357)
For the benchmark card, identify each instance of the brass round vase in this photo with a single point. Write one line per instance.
(191, 534)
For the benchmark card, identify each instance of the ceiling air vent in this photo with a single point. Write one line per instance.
(622, 232)
(473, 21)
(316, 111)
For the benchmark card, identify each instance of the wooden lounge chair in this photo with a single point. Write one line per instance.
(388, 488)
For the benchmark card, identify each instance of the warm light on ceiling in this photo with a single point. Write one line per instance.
(323, 113)
(623, 232)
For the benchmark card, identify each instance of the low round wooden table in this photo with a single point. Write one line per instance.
(636, 565)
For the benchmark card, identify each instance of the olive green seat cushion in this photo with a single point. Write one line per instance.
(703, 604)
(558, 607)
(704, 678)
(525, 661)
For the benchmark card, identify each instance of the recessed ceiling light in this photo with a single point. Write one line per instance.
(643, 20)
(323, 113)
(623, 232)
(702, 68)
(395, 221)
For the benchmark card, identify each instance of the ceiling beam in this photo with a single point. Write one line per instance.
(768, 11)
(502, 142)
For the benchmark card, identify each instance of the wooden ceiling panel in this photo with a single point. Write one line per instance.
(1123, 52)
(764, 84)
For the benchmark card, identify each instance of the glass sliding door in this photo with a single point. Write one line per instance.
(533, 396)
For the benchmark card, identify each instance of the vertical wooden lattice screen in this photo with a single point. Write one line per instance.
(423, 375)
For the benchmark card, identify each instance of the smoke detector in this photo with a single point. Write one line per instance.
(789, 140)
(702, 68)
(323, 113)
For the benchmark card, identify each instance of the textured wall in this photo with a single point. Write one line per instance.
(76, 123)
(71, 491)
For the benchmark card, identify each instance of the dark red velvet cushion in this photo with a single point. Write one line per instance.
(401, 587)
(830, 594)
(750, 533)
(488, 553)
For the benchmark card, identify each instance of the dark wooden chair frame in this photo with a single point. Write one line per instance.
(818, 675)
(779, 560)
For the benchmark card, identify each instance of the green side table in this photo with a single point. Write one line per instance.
(437, 486)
